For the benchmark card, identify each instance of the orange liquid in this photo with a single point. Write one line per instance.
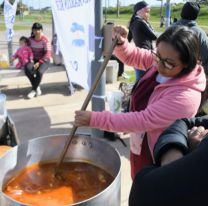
(36, 185)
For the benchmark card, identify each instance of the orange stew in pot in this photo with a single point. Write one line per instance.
(37, 185)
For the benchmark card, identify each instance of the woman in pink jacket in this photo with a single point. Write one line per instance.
(170, 89)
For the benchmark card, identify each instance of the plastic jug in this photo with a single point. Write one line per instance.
(4, 63)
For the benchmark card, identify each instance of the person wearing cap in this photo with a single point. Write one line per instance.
(140, 30)
(179, 175)
(189, 14)
(41, 49)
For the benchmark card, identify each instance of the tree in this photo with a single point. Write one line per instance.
(20, 6)
(202, 1)
(11, 1)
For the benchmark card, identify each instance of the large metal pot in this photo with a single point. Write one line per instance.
(82, 148)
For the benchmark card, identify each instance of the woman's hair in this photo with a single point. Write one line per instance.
(25, 39)
(185, 42)
(36, 26)
(129, 25)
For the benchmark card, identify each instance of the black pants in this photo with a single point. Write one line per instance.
(183, 182)
(35, 76)
(120, 65)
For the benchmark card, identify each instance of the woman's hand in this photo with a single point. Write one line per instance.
(82, 118)
(36, 65)
(121, 33)
(195, 136)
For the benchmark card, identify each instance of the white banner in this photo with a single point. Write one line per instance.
(9, 18)
(74, 25)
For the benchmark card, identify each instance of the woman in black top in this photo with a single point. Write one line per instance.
(140, 30)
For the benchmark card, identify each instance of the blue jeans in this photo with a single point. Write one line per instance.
(138, 73)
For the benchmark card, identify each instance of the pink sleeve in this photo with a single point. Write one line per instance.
(172, 106)
(47, 47)
(134, 56)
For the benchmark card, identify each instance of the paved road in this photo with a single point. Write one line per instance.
(53, 113)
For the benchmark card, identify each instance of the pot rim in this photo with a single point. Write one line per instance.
(116, 177)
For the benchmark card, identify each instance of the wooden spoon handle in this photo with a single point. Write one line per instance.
(87, 100)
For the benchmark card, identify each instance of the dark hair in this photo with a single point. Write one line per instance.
(24, 39)
(140, 5)
(36, 26)
(185, 42)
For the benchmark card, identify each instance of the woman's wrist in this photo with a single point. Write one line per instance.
(170, 156)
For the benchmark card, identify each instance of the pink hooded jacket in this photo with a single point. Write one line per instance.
(24, 55)
(174, 99)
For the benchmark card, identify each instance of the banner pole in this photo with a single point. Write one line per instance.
(10, 52)
(98, 99)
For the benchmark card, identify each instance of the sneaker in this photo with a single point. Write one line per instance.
(31, 94)
(38, 91)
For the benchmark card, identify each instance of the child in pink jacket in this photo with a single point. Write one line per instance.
(23, 54)
(170, 89)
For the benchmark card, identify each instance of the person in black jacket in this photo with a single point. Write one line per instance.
(182, 149)
(189, 15)
(140, 30)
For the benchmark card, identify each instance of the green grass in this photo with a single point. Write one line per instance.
(16, 27)
(125, 16)
(28, 20)
(123, 19)
(39, 17)
(155, 22)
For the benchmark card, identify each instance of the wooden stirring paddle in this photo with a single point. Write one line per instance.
(85, 104)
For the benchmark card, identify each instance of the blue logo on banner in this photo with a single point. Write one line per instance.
(78, 30)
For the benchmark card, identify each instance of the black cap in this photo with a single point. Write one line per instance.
(140, 5)
(37, 26)
(190, 10)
